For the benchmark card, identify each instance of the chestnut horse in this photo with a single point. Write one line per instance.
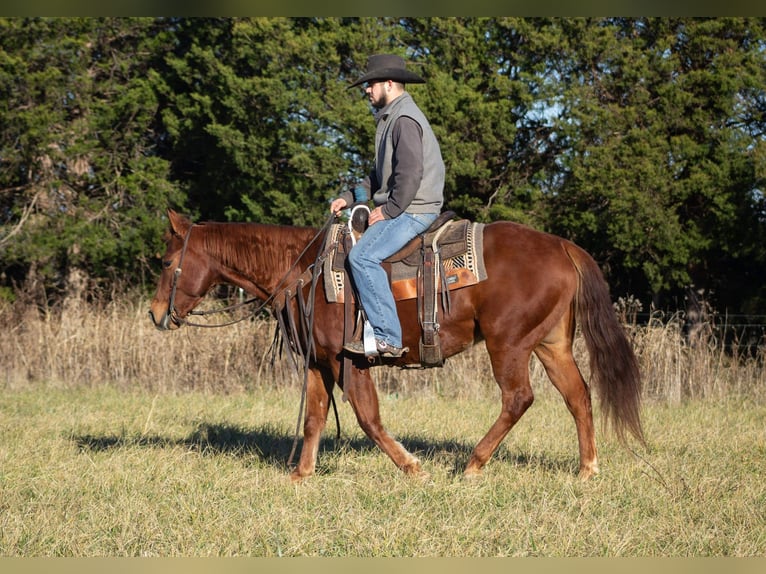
(537, 286)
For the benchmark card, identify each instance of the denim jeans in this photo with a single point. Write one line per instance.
(379, 241)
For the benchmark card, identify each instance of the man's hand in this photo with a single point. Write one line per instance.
(376, 215)
(337, 205)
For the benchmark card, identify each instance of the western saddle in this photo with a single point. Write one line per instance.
(415, 271)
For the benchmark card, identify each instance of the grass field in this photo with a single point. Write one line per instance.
(117, 440)
(105, 472)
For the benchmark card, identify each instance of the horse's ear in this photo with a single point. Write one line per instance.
(178, 223)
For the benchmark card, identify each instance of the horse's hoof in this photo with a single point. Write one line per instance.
(420, 475)
(413, 468)
(472, 473)
(588, 472)
(296, 477)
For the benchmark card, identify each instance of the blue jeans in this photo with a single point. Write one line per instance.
(379, 241)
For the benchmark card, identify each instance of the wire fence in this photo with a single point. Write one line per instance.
(738, 334)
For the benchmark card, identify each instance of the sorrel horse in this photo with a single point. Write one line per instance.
(537, 287)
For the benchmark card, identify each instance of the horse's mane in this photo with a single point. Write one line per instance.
(252, 248)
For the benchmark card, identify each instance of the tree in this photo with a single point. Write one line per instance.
(260, 124)
(655, 169)
(83, 189)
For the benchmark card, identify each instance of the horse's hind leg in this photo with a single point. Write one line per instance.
(319, 386)
(511, 370)
(555, 353)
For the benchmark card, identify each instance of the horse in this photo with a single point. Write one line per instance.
(538, 287)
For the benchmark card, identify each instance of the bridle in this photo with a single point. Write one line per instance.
(172, 312)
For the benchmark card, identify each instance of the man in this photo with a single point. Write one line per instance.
(407, 185)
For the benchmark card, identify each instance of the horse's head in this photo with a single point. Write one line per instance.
(185, 277)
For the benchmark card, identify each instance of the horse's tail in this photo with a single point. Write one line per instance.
(613, 365)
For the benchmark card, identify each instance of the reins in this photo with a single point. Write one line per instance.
(263, 303)
(315, 271)
(307, 311)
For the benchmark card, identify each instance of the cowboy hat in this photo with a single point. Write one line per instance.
(388, 67)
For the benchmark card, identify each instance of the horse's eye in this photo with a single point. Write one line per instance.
(167, 264)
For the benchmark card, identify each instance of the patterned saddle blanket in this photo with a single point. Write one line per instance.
(459, 245)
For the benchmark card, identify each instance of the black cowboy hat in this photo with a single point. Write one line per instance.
(388, 67)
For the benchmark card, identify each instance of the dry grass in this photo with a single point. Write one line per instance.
(82, 345)
(675, 368)
(87, 346)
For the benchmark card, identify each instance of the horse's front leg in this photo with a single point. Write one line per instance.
(319, 385)
(361, 393)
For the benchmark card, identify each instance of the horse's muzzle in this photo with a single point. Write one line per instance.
(165, 323)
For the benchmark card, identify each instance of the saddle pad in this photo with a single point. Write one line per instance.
(463, 266)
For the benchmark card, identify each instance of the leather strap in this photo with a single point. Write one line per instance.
(348, 322)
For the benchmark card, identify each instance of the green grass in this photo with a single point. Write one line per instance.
(109, 472)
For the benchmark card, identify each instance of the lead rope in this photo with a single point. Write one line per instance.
(315, 272)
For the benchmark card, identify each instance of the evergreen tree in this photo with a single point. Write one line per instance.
(659, 168)
(83, 187)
